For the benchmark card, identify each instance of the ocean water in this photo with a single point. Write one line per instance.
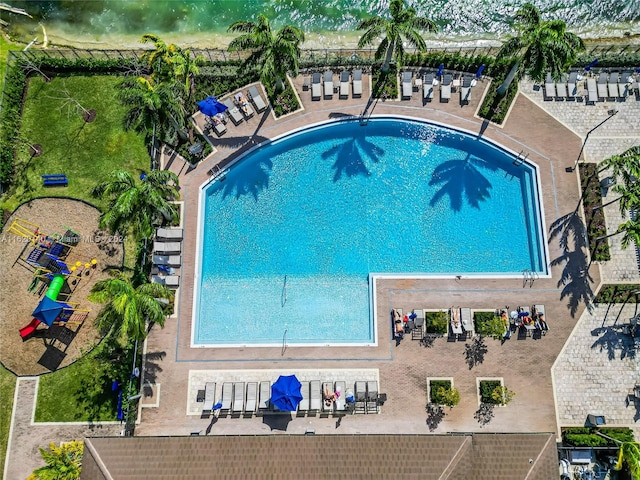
(293, 232)
(328, 23)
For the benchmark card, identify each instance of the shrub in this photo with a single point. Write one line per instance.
(437, 322)
(385, 85)
(594, 216)
(587, 436)
(488, 324)
(487, 388)
(614, 293)
(442, 393)
(502, 395)
(283, 102)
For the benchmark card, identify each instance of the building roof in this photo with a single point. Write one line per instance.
(444, 457)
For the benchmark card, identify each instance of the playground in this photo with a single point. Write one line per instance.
(51, 254)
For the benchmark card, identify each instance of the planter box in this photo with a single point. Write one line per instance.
(499, 380)
(443, 379)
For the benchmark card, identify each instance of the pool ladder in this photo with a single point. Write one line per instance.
(283, 295)
(520, 159)
(528, 278)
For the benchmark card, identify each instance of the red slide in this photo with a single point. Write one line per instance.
(30, 328)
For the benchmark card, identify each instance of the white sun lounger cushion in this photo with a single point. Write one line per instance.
(256, 98)
(344, 84)
(549, 87)
(357, 83)
(233, 112)
(602, 85)
(169, 260)
(407, 85)
(328, 84)
(265, 395)
(303, 406)
(169, 233)
(238, 397)
(227, 396)
(315, 395)
(252, 397)
(445, 87)
(341, 389)
(167, 247)
(316, 86)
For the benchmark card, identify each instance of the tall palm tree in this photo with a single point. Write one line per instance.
(273, 53)
(404, 25)
(625, 165)
(185, 68)
(127, 308)
(62, 463)
(141, 204)
(540, 46)
(158, 60)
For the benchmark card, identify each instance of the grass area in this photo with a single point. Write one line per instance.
(7, 388)
(85, 152)
(5, 46)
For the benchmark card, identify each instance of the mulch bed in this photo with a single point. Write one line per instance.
(51, 348)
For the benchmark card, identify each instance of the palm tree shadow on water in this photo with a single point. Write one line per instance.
(253, 184)
(462, 180)
(350, 161)
(571, 233)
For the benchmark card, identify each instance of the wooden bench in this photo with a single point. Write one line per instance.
(58, 179)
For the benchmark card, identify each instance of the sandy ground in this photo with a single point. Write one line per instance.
(50, 349)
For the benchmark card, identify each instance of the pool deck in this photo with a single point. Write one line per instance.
(552, 134)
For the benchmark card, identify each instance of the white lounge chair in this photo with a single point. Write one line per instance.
(233, 112)
(372, 396)
(303, 406)
(407, 85)
(315, 395)
(252, 397)
(238, 397)
(344, 84)
(549, 87)
(227, 396)
(592, 90)
(445, 88)
(328, 84)
(265, 395)
(428, 87)
(456, 324)
(357, 83)
(167, 247)
(561, 87)
(613, 85)
(360, 397)
(216, 125)
(169, 233)
(465, 91)
(169, 260)
(602, 85)
(256, 98)
(341, 390)
(626, 84)
(316, 86)
(171, 281)
(467, 322)
(572, 89)
(240, 100)
(209, 398)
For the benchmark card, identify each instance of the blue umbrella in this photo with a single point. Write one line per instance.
(591, 65)
(440, 70)
(285, 393)
(211, 106)
(479, 72)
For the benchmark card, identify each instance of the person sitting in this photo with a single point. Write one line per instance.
(399, 328)
(543, 324)
(242, 102)
(329, 396)
(396, 314)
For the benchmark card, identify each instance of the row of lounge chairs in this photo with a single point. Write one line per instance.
(323, 86)
(239, 107)
(249, 398)
(606, 87)
(526, 321)
(167, 249)
(430, 83)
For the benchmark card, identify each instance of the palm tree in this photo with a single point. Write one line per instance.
(62, 463)
(404, 24)
(539, 47)
(129, 308)
(158, 60)
(273, 54)
(625, 165)
(185, 68)
(143, 204)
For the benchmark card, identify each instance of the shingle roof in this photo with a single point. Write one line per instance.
(450, 457)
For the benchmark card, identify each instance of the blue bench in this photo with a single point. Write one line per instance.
(55, 179)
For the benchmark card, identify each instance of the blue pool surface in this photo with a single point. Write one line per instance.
(290, 235)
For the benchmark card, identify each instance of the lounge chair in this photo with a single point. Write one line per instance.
(572, 89)
(169, 233)
(344, 84)
(418, 331)
(397, 326)
(540, 318)
(315, 396)
(357, 83)
(209, 398)
(360, 397)
(465, 91)
(256, 98)
(316, 86)
(303, 406)
(341, 391)
(428, 87)
(233, 112)
(613, 85)
(407, 85)
(240, 100)
(227, 396)
(328, 84)
(561, 87)
(168, 260)
(602, 85)
(372, 396)
(265, 395)
(467, 322)
(238, 397)
(327, 406)
(162, 270)
(592, 91)
(171, 281)
(217, 126)
(456, 324)
(445, 88)
(549, 87)
(626, 84)
(252, 397)
(167, 247)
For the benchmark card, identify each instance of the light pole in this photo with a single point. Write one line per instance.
(611, 113)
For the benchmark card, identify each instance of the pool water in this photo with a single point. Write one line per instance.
(291, 234)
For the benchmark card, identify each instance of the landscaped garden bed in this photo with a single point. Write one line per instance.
(615, 293)
(593, 212)
(437, 322)
(440, 391)
(492, 391)
(385, 85)
(489, 324)
(587, 436)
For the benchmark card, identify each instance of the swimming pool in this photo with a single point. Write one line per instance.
(290, 235)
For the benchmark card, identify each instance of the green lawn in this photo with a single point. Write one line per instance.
(85, 152)
(7, 389)
(5, 46)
